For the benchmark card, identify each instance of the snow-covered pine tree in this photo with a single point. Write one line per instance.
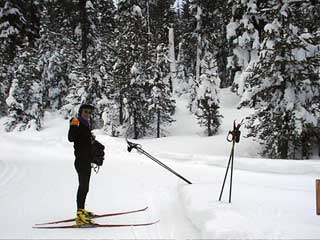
(5, 80)
(207, 97)
(110, 116)
(136, 104)
(244, 41)
(18, 25)
(25, 96)
(207, 66)
(64, 16)
(15, 106)
(81, 83)
(187, 49)
(284, 87)
(120, 71)
(308, 18)
(101, 58)
(159, 17)
(162, 103)
(19, 32)
(215, 16)
(196, 11)
(208, 103)
(162, 17)
(51, 63)
(130, 73)
(13, 25)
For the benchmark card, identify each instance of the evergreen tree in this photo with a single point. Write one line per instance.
(214, 19)
(162, 104)
(208, 104)
(51, 63)
(206, 91)
(89, 68)
(15, 106)
(67, 15)
(131, 87)
(136, 102)
(284, 87)
(19, 22)
(18, 25)
(25, 95)
(5, 81)
(19, 30)
(244, 40)
(102, 57)
(187, 46)
(162, 17)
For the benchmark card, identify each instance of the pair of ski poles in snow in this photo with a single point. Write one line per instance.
(235, 133)
(235, 138)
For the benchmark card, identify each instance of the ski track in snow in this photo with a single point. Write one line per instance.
(7, 175)
(11, 178)
(47, 192)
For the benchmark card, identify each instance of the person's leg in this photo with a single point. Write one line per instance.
(83, 188)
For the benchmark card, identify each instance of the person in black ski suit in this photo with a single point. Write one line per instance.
(80, 134)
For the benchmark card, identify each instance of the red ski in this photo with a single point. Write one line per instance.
(96, 216)
(98, 225)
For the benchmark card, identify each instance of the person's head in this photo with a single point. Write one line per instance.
(85, 111)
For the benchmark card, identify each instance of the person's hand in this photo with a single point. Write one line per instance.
(93, 137)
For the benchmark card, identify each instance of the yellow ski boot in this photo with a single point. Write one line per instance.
(88, 213)
(82, 220)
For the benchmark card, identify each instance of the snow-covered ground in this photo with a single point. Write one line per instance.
(271, 199)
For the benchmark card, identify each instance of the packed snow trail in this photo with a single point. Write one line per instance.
(48, 187)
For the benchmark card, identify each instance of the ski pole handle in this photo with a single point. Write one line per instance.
(132, 145)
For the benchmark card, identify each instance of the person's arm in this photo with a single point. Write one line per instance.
(73, 130)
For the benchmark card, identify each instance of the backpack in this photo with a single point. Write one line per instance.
(97, 155)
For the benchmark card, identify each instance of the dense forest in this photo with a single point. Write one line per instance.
(132, 58)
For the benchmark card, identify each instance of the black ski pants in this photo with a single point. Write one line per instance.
(84, 173)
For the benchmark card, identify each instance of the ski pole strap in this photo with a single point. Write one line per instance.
(235, 133)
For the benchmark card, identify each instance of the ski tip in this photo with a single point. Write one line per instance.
(41, 224)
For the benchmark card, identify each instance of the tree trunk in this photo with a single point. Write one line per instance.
(222, 60)
(158, 124)
(209, 125)
(283, 141)
(198, 55)
(84, 31)
(135, 127)
(284, 148)
(172, 58)
(120, 110)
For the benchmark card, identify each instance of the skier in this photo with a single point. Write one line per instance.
(80, 134)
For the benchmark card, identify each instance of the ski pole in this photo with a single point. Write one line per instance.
(231, 174)
(225, 176)
(138, 147)
(235, 134)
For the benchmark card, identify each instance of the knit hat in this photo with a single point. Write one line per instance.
(85, 106)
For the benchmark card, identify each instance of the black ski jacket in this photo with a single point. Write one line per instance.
(81, 136)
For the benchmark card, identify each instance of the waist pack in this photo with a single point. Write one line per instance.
(97, 154)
